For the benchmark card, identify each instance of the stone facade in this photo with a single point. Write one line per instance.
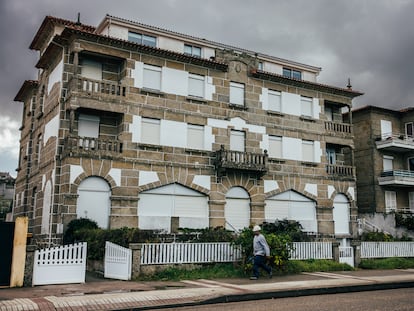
(57, 160)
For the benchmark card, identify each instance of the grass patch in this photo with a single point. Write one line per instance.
(208, 271)
(229, 270)
(387, 263)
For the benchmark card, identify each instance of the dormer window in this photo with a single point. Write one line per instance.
(291, 73)
(142, 39)
(192, 50)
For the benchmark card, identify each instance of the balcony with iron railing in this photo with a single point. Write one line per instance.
(395, 142)
(400, 178)
(229, 160)
(91, 147)
(340, 171)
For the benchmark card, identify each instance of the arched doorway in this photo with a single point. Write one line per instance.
(94, 201)
(293, 206)
(237, 209)
(341, 214)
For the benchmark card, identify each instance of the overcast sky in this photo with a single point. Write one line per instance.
(369, 41)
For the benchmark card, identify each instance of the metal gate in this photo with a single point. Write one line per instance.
(346, 255)
(118, 262)
(60, 265)
(6, 244)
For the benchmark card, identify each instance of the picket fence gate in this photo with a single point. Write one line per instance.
(60, 265)
(117, 262)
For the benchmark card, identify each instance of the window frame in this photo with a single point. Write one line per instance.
(409, 127)
(237, 89)
(306, 102)
(192, 48)
(278, 141)
(195, 136)
(155, 130)
(198, 79)
(275, 94)
(143, 38)
(390, 200)
(234, 140)
(292, 73)
(305, 156)
(147, 83)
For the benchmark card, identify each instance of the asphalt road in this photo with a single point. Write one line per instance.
(385, 300)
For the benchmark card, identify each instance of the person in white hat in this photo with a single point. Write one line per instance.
(261, 252)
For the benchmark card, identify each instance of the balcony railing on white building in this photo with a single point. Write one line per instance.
(91, 145)
(97, 87)
(340, 170)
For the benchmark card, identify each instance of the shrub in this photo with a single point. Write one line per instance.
(70, 235)
(404, 220)
(218, 234)
(387, 263)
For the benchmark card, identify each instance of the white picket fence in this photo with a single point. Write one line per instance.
(311, 250)
(174, 253)
(117, 262)
(387, 249)
(60, 265)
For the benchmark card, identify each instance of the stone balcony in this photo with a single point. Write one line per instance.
(91, 147)
(398, 178)
(395, 142)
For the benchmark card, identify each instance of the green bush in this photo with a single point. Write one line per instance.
(387, 263)
(70, 235)
(218, 234)
(404, 220)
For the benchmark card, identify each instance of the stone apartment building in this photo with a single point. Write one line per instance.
(133, 125)
(384, 159)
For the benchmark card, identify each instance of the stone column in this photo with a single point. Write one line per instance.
(28, 268)
(136, 259)
(335, 251)
(356, 244)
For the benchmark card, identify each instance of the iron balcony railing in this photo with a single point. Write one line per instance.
(242, 161)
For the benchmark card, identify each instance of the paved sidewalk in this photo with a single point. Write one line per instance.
(99, 294)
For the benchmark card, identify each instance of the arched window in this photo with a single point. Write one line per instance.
(237, 209)
(157, 207)
(294, 206)
(94, 201)
(341, 214)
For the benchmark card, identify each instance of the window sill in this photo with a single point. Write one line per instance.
(276, 160)
(152, 92)
(197, 100)
(307, 118)
(309, 164)
(238, 107)
(149, 147)
(275, 113)
(197, 151)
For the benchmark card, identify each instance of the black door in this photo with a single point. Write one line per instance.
(6, 245)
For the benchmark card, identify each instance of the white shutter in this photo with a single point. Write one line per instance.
(196, 85)
(390, 201)
(88, 126)
(387, 162)
(276, 210)
(195, 136)
(275, 146)
(152, 77)
(150, 131)
(386, 129)
(307, 150)
(306, 106)
(236, 93)
(91, 69)
(237, 214)
(274, 101)
(341, 214)
(237, 141)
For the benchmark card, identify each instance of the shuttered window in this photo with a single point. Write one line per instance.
(150, 131)
(237, 140)
(236, 93)
(195, 136)
(152, 77)
(196, 85)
